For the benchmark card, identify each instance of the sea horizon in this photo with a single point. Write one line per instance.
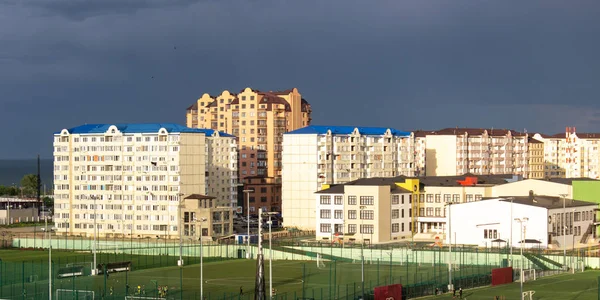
(12, 170)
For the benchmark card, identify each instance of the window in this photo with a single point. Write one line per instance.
(490, 234)
(429, 211)
(438, 212)
(326, 200)
(403, 199)
(421, 212)
(395, 227)
(402, 227)
(402, 213)
(366, 228)
(395, 213)
(352, 214)
(339, 200)
(351, 200)
(438, 198)
(429, 198)
(456, 198)
(367, 214)
(351, 228)
(325, 214)
(325, 227)
(477, 197)
(395, 199)
(367, 200)
(339, 214)
(469, 198)
(446, 198)
(422, 198)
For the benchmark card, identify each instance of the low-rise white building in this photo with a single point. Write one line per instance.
(486, 222)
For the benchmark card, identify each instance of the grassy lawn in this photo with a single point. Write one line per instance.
(560, 287)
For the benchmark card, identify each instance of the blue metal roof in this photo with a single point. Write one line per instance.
(140, 128)
(318, 129)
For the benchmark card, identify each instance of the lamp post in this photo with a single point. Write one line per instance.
(179, 227)
(50, 266)
(362, 255)
(450, 286)
(522, 222)
(202, 220)
(511, 231)
(269, 214)
(248, 220)
(94, 270)
(564, 223)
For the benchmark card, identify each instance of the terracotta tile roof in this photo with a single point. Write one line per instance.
(212, 104)
(271, 99)
(193, 106)
(533, 141)
(473, 131)
(198, 197)
(588, 135)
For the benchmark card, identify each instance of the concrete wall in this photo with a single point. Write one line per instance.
(19, 215)
(469, 220)
(299, 180)
(440, 155)
(539, 187)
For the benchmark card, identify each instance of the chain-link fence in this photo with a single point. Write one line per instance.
(148, 268)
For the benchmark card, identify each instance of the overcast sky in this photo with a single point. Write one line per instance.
(404, 64)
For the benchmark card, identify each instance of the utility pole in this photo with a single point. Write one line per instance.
(564, 226)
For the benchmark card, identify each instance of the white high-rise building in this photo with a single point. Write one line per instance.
(314, 156)
(137, 174)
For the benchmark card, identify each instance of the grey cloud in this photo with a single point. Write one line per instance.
(80, 10)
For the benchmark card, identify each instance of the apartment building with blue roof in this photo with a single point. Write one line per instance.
(134, 176)
(318, 155)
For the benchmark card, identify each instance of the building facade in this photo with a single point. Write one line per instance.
(259, 120)
(365, 211)
(318, 155)
(548, 224)
(571, 154)
(535, 158)
(131, 178)
(457, 151)
(266, 194)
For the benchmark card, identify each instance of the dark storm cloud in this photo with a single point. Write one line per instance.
(81, 9)
(405, 64)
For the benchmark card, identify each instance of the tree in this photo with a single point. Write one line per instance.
(29, 184)
(8, 190)
(48, 202)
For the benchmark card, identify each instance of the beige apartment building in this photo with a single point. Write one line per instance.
(259, 120)
(456, 151)
(364, 211)
(535, 158)
(571, 154)
(131, 178)
(317, 155)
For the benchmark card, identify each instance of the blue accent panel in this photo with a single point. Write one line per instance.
(140, 128)
(318, 129)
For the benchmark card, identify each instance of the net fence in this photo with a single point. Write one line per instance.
(148, 269)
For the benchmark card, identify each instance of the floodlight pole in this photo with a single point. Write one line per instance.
(270, 258)
(522, 222)
(248, 220)
(564, 223)
(50, 268)
(450, 247)
(202, 220)
(94, 270)
(511, 231)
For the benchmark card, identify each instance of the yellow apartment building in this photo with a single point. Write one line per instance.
(258, 120)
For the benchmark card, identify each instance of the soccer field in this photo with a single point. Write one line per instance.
(222, 279)
(581, 286)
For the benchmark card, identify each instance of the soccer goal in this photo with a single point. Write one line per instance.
(66, 294)
(529, 275)
(143, 297)
(320, 262)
